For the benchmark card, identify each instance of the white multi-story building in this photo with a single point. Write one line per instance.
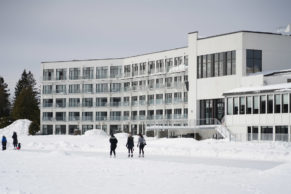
(183, 87)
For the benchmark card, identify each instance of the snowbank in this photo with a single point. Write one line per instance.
(96, 132)
(20, 126)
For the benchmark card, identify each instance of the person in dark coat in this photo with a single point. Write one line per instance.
(15, 141)
(130, 145)
(113, 144)
(141, 143)
(4, 142)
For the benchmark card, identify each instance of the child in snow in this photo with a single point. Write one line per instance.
(4, 142)
(130, 145)
(113, 144)
(141, 143)
(15, 141)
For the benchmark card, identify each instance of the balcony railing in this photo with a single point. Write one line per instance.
(115, 118)
(87, 118)
(102, 118)
(75, 118)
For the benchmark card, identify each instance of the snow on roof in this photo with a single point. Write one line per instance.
(258, 89)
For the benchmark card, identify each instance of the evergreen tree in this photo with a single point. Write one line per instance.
(26, 80)
(26, 99)
(4, 99)
(33, 128)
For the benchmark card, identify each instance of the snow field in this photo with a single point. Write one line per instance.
(81, 164)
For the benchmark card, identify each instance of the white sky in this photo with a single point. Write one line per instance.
(39, 30)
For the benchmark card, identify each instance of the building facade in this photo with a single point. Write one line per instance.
(178, 87)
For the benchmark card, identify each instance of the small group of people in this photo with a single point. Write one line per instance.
(16, 145)
(130, 145)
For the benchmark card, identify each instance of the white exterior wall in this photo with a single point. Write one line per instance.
(276, 51)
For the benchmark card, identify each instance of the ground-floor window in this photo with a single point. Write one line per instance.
(266, 133)
(73, 128)
(253, 133)
(210, 110)
(60, 129)
(115, 129)
(281, 133)
(47, 129)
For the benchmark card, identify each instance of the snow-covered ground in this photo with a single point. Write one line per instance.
(81, 164)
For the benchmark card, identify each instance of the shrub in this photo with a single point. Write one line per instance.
(33, 128)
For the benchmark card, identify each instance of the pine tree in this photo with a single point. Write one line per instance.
(4, 104)
(26, 80)
(26, 99)
(4, 99)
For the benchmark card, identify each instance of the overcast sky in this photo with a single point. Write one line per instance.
(36, 31)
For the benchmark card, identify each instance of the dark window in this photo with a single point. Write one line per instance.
(267, 133)
(209, 65)
(262, 104)
(221, 64)
(255, 133)
(242, 106)
(281, 133)
(270, 103)
(228, 63)
(249, 105)
(254, 61)
(235, 105)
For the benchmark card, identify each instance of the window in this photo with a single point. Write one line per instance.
(209, 65)
(233, 62)
(262, 104)
(216, 65)
(60, 102)
(74, 73)
(61, 89)
(151, 67)
(169, 64)
(254, 61)
(285, 103)
(47, 89)
(74, 116)
(235, 105)
(60, 116)
(74, 88)
(256, 105)
(47, 103)
(87, 102)
(281, 133)
(177, 97)
(229, 106)
(48, 74)
(61, 74)
(88, 72)
(101, 72)
(249, 105)
(115, 87)
(151, 84)
(159, 83)
(142, 68)
(87, 116)
(159, 98)
(168, 98)
(277, 103)
(101, 88)
(199, 67)
(101, 102)
(115, 71)
(270, 103)
(61, 129)
(177, 61)
(101, 116)
(47, 116)
(228, 63)
(127, 71)
(86, 128)
(266, 133)
(160, 65)
(242, 106)
(87, 88)
(74, 102)
(204, 66)
(134, 69)
(151, 99)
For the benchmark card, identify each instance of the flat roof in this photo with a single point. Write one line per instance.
(241, 31)
(259, 89)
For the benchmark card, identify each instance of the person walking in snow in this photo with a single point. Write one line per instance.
(113, 144)
(130, 145)
(141, 143)
(15, 141)
(4, 142)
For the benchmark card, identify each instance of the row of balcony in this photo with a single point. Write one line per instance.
(119, 104)
(118, 118)
(123, 89)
